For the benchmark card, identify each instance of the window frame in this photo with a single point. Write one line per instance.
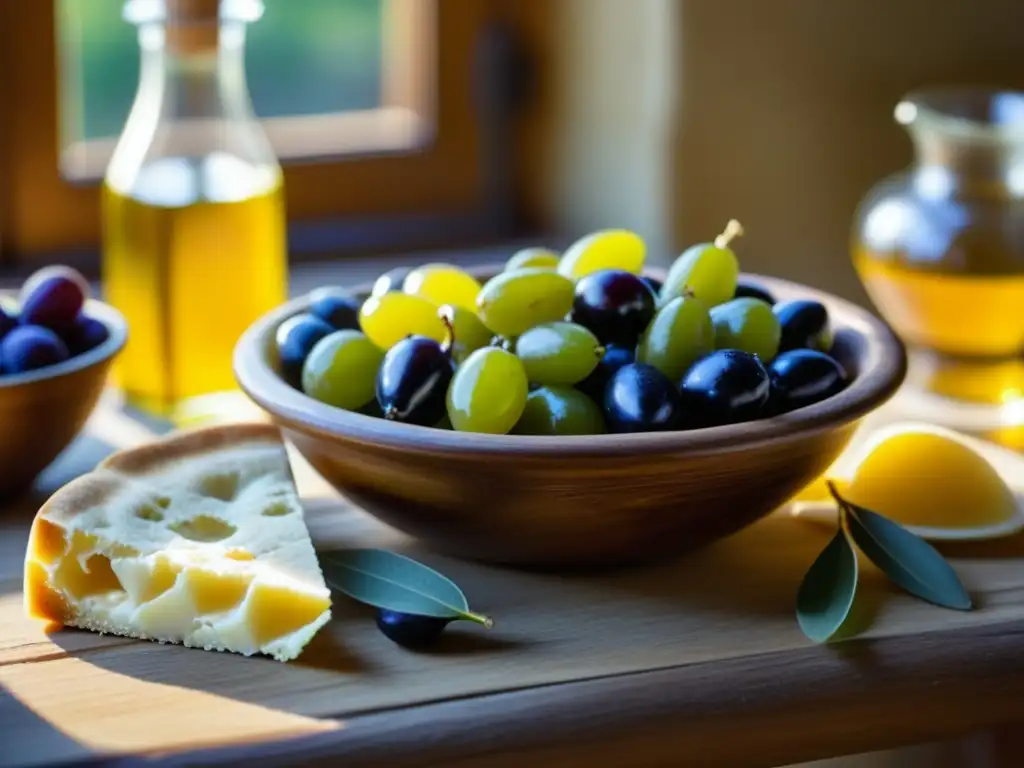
(443, 173)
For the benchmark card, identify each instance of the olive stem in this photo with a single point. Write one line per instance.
(834, 492)
(843, 506)
(486, 621)
(732, 230)
(599, 351)
(390, 413)
(447, 315)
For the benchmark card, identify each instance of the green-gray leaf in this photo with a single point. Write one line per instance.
(388, 580)
(826, 594)
(911, 562)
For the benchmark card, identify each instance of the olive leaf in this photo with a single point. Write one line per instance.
(397, 583)
(911, 562)
(827, 592)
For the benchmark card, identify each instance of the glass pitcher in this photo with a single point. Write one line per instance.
(939, 248)
(193, 211)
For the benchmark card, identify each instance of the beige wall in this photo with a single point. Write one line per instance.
(672, 116)
(613, 110)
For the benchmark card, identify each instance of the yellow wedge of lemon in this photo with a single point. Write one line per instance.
(937, 483)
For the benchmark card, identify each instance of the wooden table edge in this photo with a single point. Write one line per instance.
(841, 699)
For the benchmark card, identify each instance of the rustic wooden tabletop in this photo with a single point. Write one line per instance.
(696, 662)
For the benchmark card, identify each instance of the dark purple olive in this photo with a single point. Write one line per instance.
(804, 376)
(750, 289)
(614, 357)
(804, 325)
(336, 307)
(87, 333)
(295, 339)
(7, 322)
(409, 630)
(413, 381)
(30, 347)
(724, 387)
(52, 298)
(653, 283)
(615, 305)
(640, 398)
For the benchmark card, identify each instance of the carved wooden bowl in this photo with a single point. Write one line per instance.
(42, 411)
(586, 500)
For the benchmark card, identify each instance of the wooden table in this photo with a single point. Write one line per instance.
(698, 662)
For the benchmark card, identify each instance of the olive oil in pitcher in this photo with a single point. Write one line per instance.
(939, 248)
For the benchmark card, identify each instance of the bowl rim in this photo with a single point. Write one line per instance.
(884, 370)
(117, 328)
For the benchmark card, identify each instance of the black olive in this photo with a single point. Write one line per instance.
(640, 398)
(804, 325)
(336, 307)
(410, 630)
(750, 289)
(413, 381)
(614, 358)
(295, 339)
(804, 376)
(653, 282)
(615, 305)
(724, 387)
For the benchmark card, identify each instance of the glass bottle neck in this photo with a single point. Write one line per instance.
(970, 165)
(192, 132)
(198, 77)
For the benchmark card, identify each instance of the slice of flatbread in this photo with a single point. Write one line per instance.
(197, 539)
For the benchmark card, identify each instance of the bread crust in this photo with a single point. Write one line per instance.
(153, 457)
(156, 458)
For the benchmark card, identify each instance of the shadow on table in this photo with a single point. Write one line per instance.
(16, 514)
(347, 656)
(79, 458)
(1007, 548)
(24, 734)
(82, 456)
(755, 572)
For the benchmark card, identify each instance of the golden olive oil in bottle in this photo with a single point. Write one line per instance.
(190, 274)
(194, 246)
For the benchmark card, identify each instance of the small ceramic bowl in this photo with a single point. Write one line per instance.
(42, 411)
(582, 500)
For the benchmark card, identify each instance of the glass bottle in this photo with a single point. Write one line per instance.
(939, 248)
(193, 209)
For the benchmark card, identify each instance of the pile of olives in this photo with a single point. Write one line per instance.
(571, 344)
(48, 324)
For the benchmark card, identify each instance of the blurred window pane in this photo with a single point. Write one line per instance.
(304, 58)
(382, 80)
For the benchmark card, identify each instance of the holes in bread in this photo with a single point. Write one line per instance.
(204, 528)
(150, 512)
(83, 571)
(42, 601)
(222, 486)
(95, 578)
(277, 509)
